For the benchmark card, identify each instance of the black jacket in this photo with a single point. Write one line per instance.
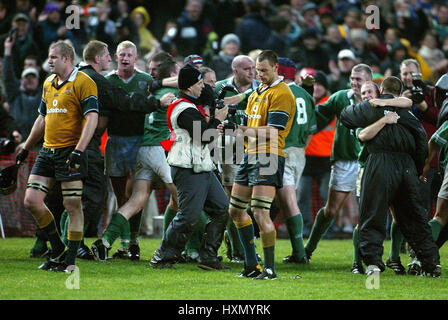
(406, 136)
(112, 98)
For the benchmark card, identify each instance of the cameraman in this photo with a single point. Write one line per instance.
(424, 108)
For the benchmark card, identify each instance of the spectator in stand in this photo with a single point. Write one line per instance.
(294, 29)
(411, 21)
(311, 54)
(141, 18)
(278, 38)
(126, 28)
(222, 63)
(310, 17)
(51, 28)
(22, 95)
(103, 26)
(351, 20)
(334, 42)
(440, 22)
(359, 38)
(397, 53)
(224, 13)
(23, 41)
(326, 18)
(433, 56)
(5, 17)
(340, 73)
(317, 152)
(253, 30)
(193, 29)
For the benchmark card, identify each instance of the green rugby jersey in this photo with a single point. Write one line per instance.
(441, 138)
(345, 145)
(156, 127)
(237, 118)
(363, 153)
(304, 122)
(128, 124)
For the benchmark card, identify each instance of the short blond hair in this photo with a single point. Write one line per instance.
(65, 48)
(93, 48)
(126, 45)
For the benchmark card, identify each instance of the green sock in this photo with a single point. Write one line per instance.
(114, 228)
(57, 246)
(235, 243)
(168, 217)
(195, 241)
(436, 227)
(268, 244)
(320, 226)
(134, 224)
(71, 252)
(396, 239)
(125, 235)
(64, 227)
(247, 238)
(40, 245)
(295, 227)
(355, 246)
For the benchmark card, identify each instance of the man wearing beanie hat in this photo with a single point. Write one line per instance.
(303, 125)
(192, 169)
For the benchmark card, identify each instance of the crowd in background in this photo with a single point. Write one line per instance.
(324, 38)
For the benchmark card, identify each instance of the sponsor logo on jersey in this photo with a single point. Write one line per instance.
(254, 116)
(56, 110)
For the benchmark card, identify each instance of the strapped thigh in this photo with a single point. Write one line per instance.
(71, 191)
(261, 203)
(38, 185)
(238, 203)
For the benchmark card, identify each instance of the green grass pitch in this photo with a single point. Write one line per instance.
(327, 277)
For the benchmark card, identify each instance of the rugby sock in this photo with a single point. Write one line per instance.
(168, 217)
(114, 228)
(49, 229)
(355, 246)
(247, 238)
(74, 240)
(134, 224)
(320, 226)
(125, 236)
(268, 244)
(295, 227)
(235, 242)
(195, 241)
(436, 227)
(396, 239)
(40, 245)
(63, 223)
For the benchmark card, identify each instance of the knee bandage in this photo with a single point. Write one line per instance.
(238, 203)
(261, 203)
(72, 191)
(37, 185)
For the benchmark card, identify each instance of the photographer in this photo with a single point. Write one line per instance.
(198, 188)
(427, 112)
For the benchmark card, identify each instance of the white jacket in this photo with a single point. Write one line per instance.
(185, 152)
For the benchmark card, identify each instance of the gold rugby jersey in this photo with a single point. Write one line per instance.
(64, 107)
(270, 106)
